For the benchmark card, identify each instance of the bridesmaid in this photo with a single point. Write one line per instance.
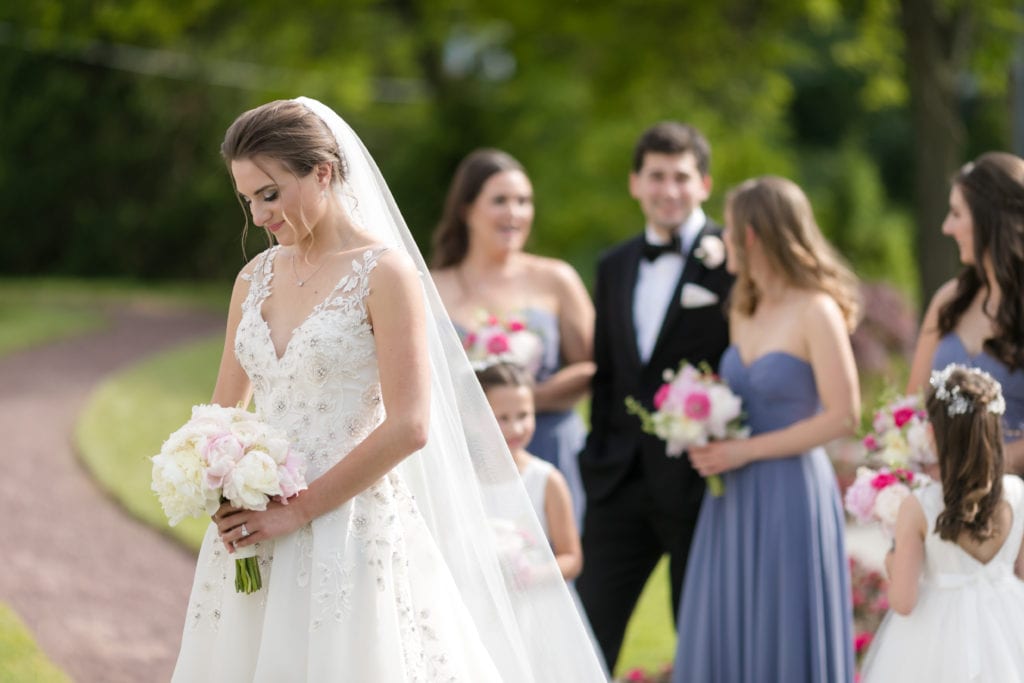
(767, 590)
(480, 268)
(977, 319)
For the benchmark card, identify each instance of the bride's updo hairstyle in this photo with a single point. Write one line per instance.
(779, 213)
(288, 132)
(451, 236)
(965, 407)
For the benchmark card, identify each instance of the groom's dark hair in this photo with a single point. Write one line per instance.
(672, 137)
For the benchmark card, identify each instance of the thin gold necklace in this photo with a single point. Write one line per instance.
(301, 281)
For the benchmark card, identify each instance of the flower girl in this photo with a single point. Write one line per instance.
(955, 569)
(509, 390)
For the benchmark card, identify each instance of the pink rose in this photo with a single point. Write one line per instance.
(862, 640)
(870, 443)
(516, 326)
(661, 395)
(883, 480)
(497, 344)
(492, 320)
(470, 341)
(636, 675)
(902, 416)
(697, 406)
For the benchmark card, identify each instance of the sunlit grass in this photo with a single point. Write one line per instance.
(25, 325)
(20, 656)
(128, 417)
(35, 311)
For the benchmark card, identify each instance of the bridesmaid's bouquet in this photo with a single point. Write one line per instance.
(226, 455)
(899, 435)
(691, 408)
(503, 339)
(876, 495)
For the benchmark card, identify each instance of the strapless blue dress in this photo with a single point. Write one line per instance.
(951, 350)
(767, 589)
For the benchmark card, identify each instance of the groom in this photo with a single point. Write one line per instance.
(660, 299)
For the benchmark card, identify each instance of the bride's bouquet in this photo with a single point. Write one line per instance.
(876, 495)
(504, 339)
(899, 436)
(226, 454)
(692, 407)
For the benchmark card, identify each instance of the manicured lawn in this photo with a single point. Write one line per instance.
(34, 311)
(129, 416)
(20, 656)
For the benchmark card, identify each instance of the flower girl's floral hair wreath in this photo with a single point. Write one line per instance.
(780, 217)
(502, 373)
(965, 407)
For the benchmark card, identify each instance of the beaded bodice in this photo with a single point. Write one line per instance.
(324, 389)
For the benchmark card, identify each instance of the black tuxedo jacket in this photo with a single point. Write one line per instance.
(693, 334)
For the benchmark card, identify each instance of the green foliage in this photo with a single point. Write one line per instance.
(852, 210)
(20, 656)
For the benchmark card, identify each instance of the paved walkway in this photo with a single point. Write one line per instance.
(103, 595)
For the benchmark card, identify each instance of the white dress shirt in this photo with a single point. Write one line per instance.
(656, 283)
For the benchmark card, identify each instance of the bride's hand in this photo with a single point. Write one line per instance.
(716, 457)
(239, 527)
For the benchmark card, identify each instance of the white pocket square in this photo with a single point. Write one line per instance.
(695, 296)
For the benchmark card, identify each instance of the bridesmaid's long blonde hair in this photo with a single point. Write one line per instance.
(779, 213)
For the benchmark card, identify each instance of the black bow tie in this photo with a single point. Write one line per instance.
(653, 251)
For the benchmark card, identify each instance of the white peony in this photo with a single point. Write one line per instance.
(178, 482)
(725, 407)
(252, 481)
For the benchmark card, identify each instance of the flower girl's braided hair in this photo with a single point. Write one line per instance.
(965, 406)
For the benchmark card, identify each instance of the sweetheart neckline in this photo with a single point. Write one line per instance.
(766, 354)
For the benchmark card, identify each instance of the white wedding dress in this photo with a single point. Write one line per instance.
(361, 594)
(968, 624)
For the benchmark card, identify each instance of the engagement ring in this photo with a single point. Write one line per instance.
(245, 532)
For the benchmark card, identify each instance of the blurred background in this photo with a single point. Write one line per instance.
(111, 184)
(113, 113)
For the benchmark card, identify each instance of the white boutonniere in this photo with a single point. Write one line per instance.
(710, 251)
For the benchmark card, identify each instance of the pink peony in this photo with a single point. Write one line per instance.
(860, 496)
(870, 443)
(902, 416)
(661, 395)
(497, 344)
(697, 406)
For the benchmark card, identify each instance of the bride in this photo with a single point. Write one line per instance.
(386, 568)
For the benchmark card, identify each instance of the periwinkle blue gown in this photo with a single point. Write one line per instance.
(767, 591)
(951, 350)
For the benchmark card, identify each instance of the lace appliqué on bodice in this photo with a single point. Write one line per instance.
(324, 389)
